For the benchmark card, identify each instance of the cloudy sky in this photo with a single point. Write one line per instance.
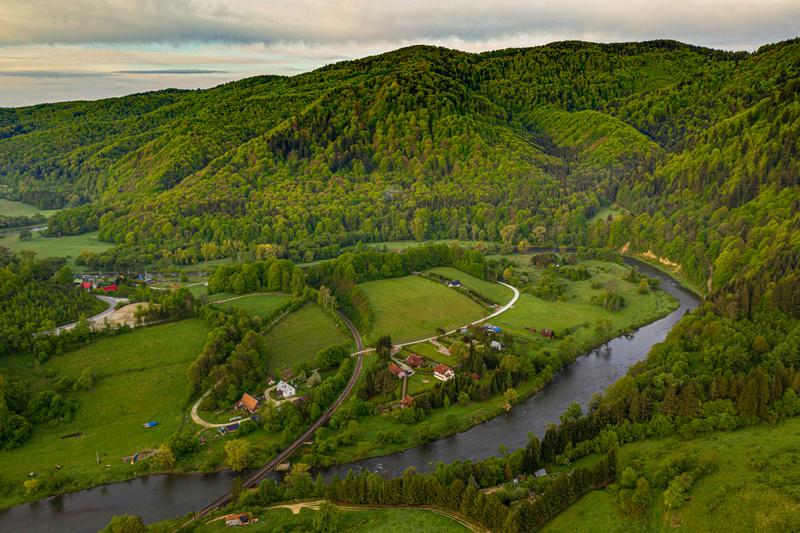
(56, 50)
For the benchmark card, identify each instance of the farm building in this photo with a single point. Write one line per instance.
(443, 372)
(547, 333)
(415, 360)
(248, 402)
(397, 371)
(232, 427)
(239, 519)
(285, 389)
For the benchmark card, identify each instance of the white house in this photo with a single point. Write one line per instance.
(497, 345)
(286, 389)
(443, 372)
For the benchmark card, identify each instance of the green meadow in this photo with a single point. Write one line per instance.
(262, 305)
(754, 485)
(69, 247)
(20, 209)
(141, 378)
(578, 313)
(496, 292)
(412, 308)
(300, 335)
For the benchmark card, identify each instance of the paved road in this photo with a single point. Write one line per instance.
(96, 318)
(259, 474)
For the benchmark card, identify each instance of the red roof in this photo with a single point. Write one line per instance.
(442, 369)
(415, 360)
(396, 370)
(475, 376)
(249, 402)
(86, 285)
(110, 288)
(407, 401)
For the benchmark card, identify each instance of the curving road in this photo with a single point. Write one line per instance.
(503, 309)
(259, 474)
(96, 318)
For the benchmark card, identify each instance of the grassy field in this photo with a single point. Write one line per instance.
(755, 485)
(20, 209)
(141, 379)
(363, 521)
(412, 308)
(300, 335)
(430, 353)
(57, 246)
(498, 293)
(578, 313)
(262, 305)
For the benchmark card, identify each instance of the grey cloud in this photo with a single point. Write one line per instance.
(42, 74)
(172, 71)
(315, 22)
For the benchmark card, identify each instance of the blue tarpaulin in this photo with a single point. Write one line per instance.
(150, 424)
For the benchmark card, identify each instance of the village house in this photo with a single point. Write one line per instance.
(454, 284)
(397, 371)
(285, 390)
(415, 360)
(408, 400)
(497, 345)
(249, 403)
(443, 372)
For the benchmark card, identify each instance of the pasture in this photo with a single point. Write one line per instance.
(752, 487)
(262, 305)
(20, 209)
(411, 308)
(140, 378)
(300, 335)
(494, 291)
(69, 247)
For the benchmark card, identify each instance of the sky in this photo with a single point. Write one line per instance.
(56, 50)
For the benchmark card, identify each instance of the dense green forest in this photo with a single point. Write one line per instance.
(698, 146)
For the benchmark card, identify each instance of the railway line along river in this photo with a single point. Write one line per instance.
(163, 496)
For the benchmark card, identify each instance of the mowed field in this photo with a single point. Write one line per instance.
(579, 313)
(262, 305)
(498, 293)
(19, 209)
(300, 335)
(361, 521)
(755, 485)
(411, 308)
(141, 378)
(71, 246)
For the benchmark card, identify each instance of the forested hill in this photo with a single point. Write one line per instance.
(698, 146)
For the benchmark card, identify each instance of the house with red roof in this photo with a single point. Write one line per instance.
(408, 400)
(397, 371)
(415, 360)
(443, 372)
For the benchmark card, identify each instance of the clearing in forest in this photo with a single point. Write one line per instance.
(300, 335)
(412, 308)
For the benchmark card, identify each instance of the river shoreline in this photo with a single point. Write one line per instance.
(160, 496)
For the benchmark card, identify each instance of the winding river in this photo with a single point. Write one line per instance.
(164, 496)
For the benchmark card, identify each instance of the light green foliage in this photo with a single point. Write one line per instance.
(237, 454)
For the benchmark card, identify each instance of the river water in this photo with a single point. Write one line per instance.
(164, 496)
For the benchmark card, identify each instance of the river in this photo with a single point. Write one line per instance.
(164, 496)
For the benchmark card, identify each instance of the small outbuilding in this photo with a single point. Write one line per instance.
(497, 345)
(547, 333)
(408, 400)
